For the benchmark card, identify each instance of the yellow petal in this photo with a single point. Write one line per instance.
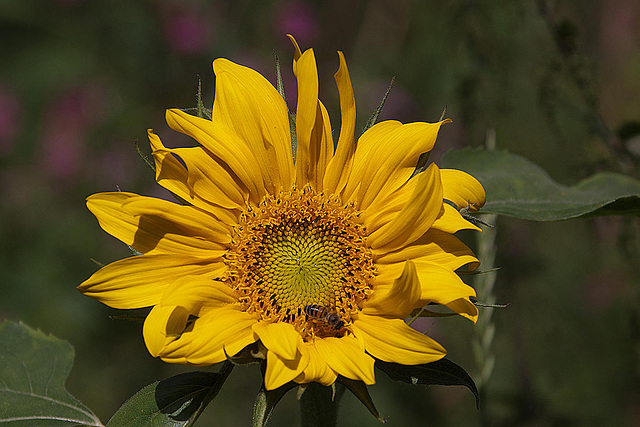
(450, 221)
(416, 216)
(433, 246)
(197, 177)
(151, 234)
(397, 300)
(392, 160)
(320, 147)
(216, 330)
(442, 286)
(140, 281)
(313, 130)
(280, 371)
(225, 145)
(187, 219)
(339, 166)
(317, 369)
(157, 325)
(344, 356)
(296, 55)
(280, 338)
(192, 292)
(391, 340)
(383, 211)
(252, 108)
(361, 157)
(462, 189)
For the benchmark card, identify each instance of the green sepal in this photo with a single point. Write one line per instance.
(144, 157)
(202, 111)
(176, 402)
(279, 83)
(359, 390)
(374, 116)
(519, 188)
(33, 370)
(266, 400)
(441, 372)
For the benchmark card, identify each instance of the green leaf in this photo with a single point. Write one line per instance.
(519, 188)
(33, 369)
(441, 372)
(359, 390)
(177, 401)
(266, 400)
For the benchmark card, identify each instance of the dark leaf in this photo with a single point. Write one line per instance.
(266, 400)
(359, 390)
(441, 372)
(176, 401)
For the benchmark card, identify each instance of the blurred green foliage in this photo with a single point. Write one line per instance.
(81, 80)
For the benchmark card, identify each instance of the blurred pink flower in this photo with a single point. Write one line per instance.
(297, 18)
(10, 120)
(187, 31)
(66, 124)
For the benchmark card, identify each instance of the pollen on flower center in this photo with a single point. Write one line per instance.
(301, 249)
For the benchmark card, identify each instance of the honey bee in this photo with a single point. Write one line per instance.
(322, 313)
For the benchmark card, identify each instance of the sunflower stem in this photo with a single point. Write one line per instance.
(485, 329)
(319, 405)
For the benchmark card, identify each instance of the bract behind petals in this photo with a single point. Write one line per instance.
(252, 108)
(391, 340)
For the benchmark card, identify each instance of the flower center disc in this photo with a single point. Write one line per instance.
(301, 249)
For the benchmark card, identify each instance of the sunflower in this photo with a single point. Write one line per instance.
(315, 260)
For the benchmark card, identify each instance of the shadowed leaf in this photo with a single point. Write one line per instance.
(266, 400)
(359, 390)
(519, 188)
(441, 372)
(177, 401)
(33, 369)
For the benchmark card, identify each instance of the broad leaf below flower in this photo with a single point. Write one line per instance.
(33, 369)
(173, 402)
(519, 188)
(441, 372)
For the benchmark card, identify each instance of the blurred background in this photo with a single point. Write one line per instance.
(558, 82)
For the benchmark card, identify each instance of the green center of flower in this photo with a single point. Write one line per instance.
(301, 258)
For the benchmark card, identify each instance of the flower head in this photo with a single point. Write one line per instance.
(319, 260)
